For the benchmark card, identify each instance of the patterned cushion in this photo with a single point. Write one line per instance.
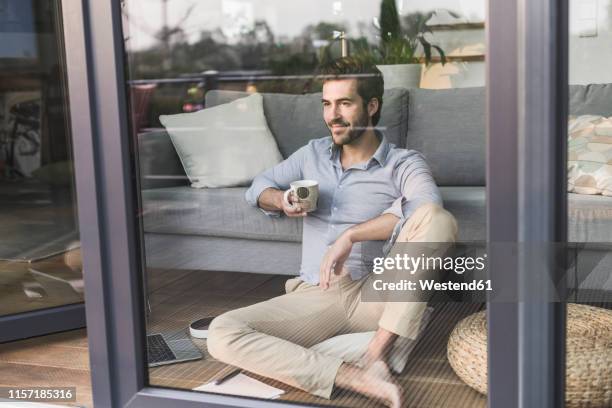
(590, 155)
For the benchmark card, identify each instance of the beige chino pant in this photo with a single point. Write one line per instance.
(273, 338)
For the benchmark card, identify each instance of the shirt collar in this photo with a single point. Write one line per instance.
(334, 157)
(380, 155)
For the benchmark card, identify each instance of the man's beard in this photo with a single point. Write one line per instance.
(355, 133)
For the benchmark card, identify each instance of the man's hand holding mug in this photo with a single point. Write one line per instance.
(301, 198)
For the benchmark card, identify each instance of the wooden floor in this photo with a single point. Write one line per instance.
(57, 360)
(178, 297)
(428, 380)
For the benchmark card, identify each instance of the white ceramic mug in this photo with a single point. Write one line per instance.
(307, 193)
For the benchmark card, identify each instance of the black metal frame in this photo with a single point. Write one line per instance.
(516, 209)
(502, 209)
(543, 112)
(40, 322)
(527, 111)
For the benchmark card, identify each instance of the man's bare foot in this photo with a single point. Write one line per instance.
(373, 381)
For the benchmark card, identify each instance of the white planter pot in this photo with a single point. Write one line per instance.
(401, 75)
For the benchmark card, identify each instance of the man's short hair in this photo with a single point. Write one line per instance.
(370, 83)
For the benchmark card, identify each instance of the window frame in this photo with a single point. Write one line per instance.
(48, 320)
(107, 202)
(527, 108)
(41, 322)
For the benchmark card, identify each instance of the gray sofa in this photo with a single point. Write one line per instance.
(215, 229)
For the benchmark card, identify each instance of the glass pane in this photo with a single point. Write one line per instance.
(589, 201)
(40, 264)
(229, 105)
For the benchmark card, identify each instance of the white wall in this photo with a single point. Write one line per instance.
(457, 74)
(590, 56)
(453, 75)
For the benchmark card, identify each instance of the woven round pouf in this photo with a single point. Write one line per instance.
(588, 360)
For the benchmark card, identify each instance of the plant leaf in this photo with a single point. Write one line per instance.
(442, 55)
(426, 49)
(389, 20)
(452, 13)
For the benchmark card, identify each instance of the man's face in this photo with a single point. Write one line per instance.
(344, 111)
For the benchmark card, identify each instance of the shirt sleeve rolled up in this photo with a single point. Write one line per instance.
(278, 177)
(417, 187)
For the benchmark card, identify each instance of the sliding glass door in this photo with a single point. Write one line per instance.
(41, 282)
(179, 109)
(589, 203)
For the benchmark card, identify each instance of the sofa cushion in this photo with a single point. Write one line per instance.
(448, 127)
(296, 119)
(221, 212)
(589, 217)
(224, 213)
(219, 151)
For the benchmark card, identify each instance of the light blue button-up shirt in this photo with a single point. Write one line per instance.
(393, 180)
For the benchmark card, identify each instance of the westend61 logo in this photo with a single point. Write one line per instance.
(412, 264)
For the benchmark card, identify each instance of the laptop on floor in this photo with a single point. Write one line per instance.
(168, 348)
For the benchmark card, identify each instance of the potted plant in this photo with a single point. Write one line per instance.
(398, 55)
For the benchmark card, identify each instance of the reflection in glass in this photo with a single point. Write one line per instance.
(221, 91)
(40, 263)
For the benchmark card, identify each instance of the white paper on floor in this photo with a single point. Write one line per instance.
(244, 386)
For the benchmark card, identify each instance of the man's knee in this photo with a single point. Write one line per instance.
(441, 217)
(222, 333)
(430, 209)
(433, 221)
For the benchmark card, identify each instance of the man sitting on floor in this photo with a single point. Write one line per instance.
(369, 190)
